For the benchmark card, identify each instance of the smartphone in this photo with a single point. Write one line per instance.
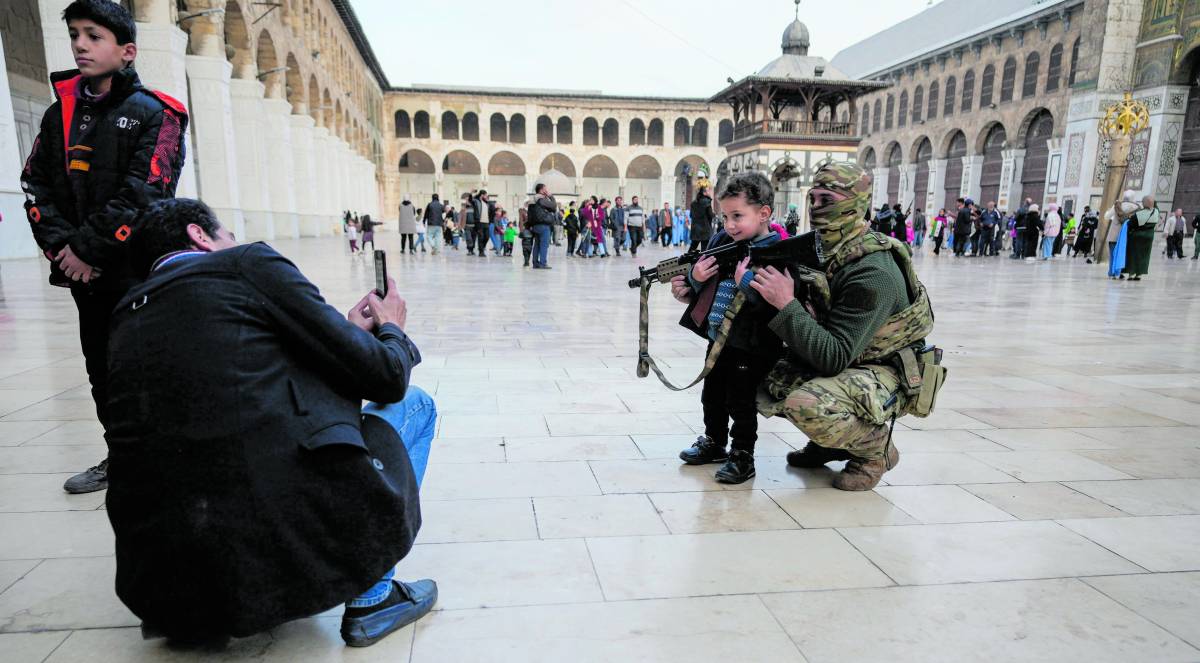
(381, 279)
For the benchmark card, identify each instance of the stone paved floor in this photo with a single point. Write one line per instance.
(1049, 510)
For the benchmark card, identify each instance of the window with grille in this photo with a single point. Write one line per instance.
(985, 86)
(1029, 86)
(1054, 70)
(968, 91)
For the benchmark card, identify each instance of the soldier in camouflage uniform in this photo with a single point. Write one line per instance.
(841, 381)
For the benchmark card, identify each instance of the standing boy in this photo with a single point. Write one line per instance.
(751, 348)
(107, 148)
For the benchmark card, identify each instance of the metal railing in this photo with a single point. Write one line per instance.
(793, 128)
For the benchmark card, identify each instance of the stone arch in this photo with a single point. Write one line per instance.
(403, 124)
(991, 170)
(449, 125)
(921, 153)
(293, 86)
(516, 128)
(725, 132)
(1034, 134)
(981, 137)
(470, 126)
(686, 172)
(654, 132)
(683, 133)
(914, 150)
(416, 162)
(949, 141)
(237, 41)
(460, 162)
(421, 124)
(867, 160)
(498, 128)
(558, 161)
(1027, 122)
(894, 156)
(609, 133)
(955, 146)
(643, 166)
(268, 64)
(637, 132)
(893, 152)
(562, 130)
(506, 163)
(601, 166)
(591, 131)
(700, 132)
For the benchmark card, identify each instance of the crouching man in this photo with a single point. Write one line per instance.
(248, 485)
(854, 362)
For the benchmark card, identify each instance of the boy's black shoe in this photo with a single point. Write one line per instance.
(408, 602)
(704, 451)
(814, 455)
(738, 469)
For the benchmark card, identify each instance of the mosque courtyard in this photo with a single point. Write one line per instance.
(1049, 509)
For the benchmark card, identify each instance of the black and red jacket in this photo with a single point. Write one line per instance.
(96, 164)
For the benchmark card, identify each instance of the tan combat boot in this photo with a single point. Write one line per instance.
(862, 474)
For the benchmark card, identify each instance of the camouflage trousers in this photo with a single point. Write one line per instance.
(851, 410)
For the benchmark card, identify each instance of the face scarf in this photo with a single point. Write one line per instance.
(840, 196)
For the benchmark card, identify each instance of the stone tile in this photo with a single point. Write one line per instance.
(728, 511)
(917, 469)
(1157, 543)
(458, 521)
(71, 433)
(1145, 438)
(485, 425)
(52, 410)
(1044, 620)
(945, 418)
(13, 433)
(1150, 463)
(653, 476)
(941, 504)
(55, 534)
(64, 594)
(1042, 501)
(1146, 497)
(499, 480)
(12, 400)
(773, 473)
(616, 423)
(482, 575)
(1067, 417)
(923, 441)
(30, 647)
(714, 629)
(43, 492)
(49, 459)
(467, 450)
(669, 446)
(12, 571)
(829, 507)
(1171, 600)
(1048, 466)
(979, 552)
(589, 447)
(572, 403)
(748, 562)
(1044, 439)
(601, 515)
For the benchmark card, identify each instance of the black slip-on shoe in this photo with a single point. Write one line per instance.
(408, 602)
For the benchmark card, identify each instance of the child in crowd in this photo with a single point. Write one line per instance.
(751, 348)
(510, 234)
(352, 235)
(526, 244)
(422, 228)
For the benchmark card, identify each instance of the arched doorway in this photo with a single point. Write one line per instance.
(893, 178)
(785, 179)
(1187, 183)
(687, 172)
(416, 176)
(560, 162)
(643, 178)
(924, 153)
(955, 151)
(460, 174)
(506, 181)
(601, 178)
(1037, 154)
(993, 164)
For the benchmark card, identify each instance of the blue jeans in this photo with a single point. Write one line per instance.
(414, 419)
(541, 244)
(1047, 247)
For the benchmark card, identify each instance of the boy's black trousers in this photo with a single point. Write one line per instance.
(729, 393)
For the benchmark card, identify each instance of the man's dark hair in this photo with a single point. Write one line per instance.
(752, 184)
(435, 197)
(162, 227)
(539, 187)
(106, 13)
(701, 191)
(960, 201)
(482, 192)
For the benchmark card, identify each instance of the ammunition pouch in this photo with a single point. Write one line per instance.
(921, 377)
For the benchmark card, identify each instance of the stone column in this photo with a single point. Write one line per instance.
(280, 170)
(908, 186)
(324, 206)
(54, 36)
(161, 65)
(16, 240)
(937, 187)
(304, 182)
(214, 154)
(248, 130)
(1010, 179)
(972, 173)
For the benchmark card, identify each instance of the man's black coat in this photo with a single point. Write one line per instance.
(242, 491)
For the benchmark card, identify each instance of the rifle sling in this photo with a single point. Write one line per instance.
(646, 363)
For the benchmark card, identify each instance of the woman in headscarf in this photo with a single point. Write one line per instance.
(1141, 230)
(1050, 229)
(1033, 225)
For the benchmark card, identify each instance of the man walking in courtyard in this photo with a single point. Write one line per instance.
(434, 215)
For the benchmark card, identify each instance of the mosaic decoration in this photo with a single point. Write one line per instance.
(1177, 101)
(1101, 169)
(1164, 186)
(1166, 160)
(1137, 161)
(1074, 159)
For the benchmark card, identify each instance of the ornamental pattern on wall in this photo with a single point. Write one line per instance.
(1137, 161)
(1101, 162)
(1074, 159)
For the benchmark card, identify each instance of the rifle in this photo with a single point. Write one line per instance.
(797, 255)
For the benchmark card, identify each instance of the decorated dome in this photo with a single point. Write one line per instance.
(795, 39)
(558, 183)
